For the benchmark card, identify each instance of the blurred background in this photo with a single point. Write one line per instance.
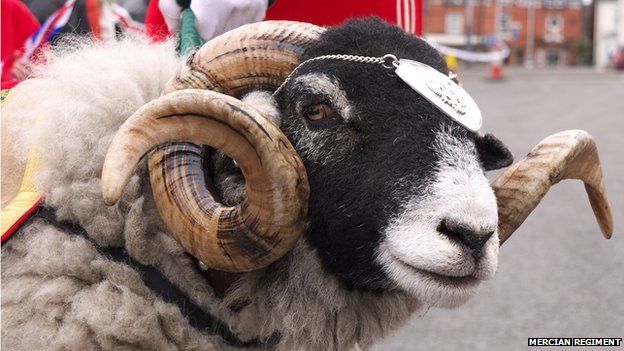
(535, 67)
(526, 33)
(539, 33)
(564, 70)
(557, 276)
(497, 34)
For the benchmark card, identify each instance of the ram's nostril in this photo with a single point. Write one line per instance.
(464, 234)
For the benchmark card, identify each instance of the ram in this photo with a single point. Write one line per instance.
(296, 194)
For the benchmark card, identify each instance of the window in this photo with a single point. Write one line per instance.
(454, 23)
(505, 23)
(554, 22)
(554, 28)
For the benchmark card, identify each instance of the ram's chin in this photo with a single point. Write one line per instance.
(430, 288)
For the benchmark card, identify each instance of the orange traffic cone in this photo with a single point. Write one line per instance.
(496, 71)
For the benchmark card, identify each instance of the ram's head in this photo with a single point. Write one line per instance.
(390, 191)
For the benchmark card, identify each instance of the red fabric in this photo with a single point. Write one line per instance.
(94, 14)
(419, 18)
(155, 25)
(331, 12)
(334, 12)
(18, 23)
(17, 225)
(8, 84)
(319, 12)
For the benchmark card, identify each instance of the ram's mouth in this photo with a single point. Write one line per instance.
(446, 280)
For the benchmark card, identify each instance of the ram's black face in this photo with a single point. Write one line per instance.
(398, 198)
(374, 151)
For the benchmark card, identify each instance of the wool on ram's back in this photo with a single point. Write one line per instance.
(59, 292)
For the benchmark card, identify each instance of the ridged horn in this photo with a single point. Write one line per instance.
(251, 57)
(569, 154)
(249, 235)
(268, 222)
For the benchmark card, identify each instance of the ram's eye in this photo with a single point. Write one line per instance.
(318, 112)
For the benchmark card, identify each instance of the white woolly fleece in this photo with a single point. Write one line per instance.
(59, 293)
(103, 84)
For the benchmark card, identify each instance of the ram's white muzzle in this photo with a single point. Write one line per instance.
(418, 252)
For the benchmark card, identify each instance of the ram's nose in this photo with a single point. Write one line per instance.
(474, 239)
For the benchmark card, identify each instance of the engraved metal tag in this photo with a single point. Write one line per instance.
(442, 92)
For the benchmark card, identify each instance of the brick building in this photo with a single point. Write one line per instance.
(557, 26)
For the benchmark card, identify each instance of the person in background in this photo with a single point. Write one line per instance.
(213, 17)
(18, 23)
(78, 23)
(162, 16)
(102, 19)
(86, 20)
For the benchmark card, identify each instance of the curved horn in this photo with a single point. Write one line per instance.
(244, 237)
(270, 220)
(570, 154)
(251, 57)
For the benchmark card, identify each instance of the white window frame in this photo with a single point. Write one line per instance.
(454, 23)
(554, 32)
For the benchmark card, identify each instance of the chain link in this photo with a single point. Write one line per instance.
(388, 61)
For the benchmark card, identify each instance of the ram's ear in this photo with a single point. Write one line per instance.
(493, 154)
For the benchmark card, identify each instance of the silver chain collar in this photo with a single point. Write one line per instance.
(388, 61)
(430, 83)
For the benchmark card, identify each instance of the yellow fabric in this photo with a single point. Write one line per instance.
(27, 196)
(3, 95)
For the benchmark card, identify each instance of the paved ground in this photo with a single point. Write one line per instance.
(557, 276)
